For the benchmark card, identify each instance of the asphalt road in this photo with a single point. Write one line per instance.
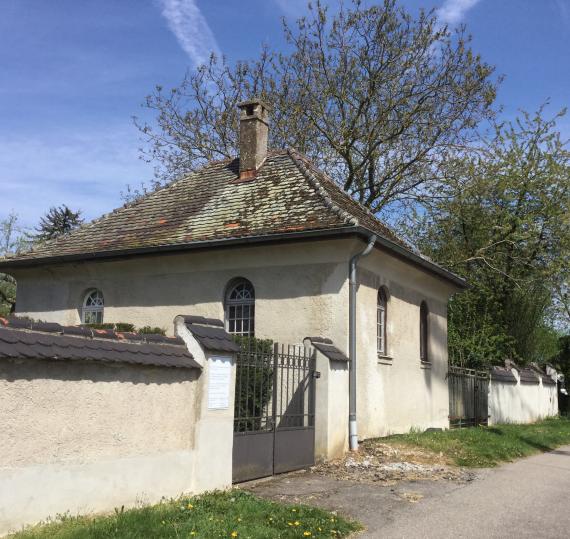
(528, 498)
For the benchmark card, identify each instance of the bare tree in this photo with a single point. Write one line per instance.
(373, 95)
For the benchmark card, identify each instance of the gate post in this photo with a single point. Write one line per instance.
(331, 399)
(216, 351)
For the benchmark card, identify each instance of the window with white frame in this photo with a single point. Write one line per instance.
(93, 306)
(381, 319)
(240, 308)
(424, 332)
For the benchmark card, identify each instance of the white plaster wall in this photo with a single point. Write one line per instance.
(331, 409)
(521, 402)
(300, 288)
(398, 393)
(88, 437)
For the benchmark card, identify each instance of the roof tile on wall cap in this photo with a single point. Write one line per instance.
(189, 319)
(503, 374)
(31, 344)
(81, 331)
(210, 333)
(88, 332)
(324, 340)
(528, 375)
(327, 348)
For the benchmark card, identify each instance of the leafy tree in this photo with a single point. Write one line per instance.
(56, 222)
(11, 241)
(373, 95)
(502, 220)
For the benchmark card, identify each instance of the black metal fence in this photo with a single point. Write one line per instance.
(274, 416)
(468, 397)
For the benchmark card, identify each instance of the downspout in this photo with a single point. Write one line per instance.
(352, 430)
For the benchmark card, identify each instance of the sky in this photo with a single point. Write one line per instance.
(74, 73)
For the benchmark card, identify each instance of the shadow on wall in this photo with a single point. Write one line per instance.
(93, 371)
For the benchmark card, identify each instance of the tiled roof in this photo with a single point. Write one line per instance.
(22, 339)
(503, 374)
(327, 348)
(529, 376)
(288, 195)
(210, 333)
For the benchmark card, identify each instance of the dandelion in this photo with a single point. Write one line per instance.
(294, 510)
(234, 534)
(297, 523)
(289, 524)
(190, 506)
(307, 534)
(239, 519)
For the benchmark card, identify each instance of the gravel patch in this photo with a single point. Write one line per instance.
(376, 462)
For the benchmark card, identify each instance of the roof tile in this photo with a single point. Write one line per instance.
(288, 194)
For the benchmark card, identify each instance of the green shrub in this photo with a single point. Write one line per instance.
(118, 326)
(254, 382)
(150, 330)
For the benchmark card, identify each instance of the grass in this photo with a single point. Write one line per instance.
(488, 446)
(218, 514)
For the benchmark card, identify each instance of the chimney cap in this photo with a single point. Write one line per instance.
(254, 101)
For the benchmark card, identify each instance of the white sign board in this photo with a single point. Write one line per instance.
(220, 374)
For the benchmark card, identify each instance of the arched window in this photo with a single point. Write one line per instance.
(93, 305)
(424, 331)
(240, 308)
(381, 319)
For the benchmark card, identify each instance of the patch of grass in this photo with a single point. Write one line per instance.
(488, 446)
(218, 514)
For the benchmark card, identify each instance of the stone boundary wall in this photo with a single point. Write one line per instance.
(521, 395)
(89, 436)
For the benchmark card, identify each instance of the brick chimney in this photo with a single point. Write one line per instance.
(253, 132)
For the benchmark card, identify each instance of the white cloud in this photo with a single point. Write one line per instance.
(293, 8)
(85, 171)
(454, 11)
(191, 29)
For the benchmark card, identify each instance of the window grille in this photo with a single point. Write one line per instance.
(240, 308)
(93, 306)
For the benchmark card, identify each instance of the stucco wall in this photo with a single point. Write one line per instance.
(83, 437)
(331, 408)
(397, 393)
(300, 289)
(521, 402)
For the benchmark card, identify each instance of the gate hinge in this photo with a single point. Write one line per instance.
(316, 374)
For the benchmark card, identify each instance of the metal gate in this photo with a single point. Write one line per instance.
(468, 397)
(274, 418)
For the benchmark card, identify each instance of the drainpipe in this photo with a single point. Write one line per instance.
(352, 430)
